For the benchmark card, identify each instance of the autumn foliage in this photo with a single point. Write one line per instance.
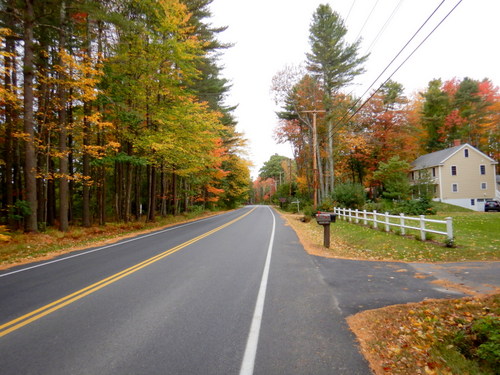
(117, 110)
(388, 125)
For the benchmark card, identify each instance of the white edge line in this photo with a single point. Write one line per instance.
(105, 247)
(247, 365)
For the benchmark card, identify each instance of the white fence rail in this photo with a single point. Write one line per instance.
(399, 221)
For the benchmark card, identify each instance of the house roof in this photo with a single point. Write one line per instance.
(439, 157)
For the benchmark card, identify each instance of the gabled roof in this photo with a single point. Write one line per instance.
(439, 157)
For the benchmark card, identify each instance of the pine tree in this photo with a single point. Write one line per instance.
(334, 62)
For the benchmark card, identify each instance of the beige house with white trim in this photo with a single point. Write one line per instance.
(460, 175)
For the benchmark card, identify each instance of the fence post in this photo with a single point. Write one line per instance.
(387, 226)
(357, 217)
(374, 219)
(350, 215)
(343, 213)
(422, 228)
(449, 228)
(402, 222)
(364, 217)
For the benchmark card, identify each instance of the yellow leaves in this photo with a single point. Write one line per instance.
(78, 72)
(4, 237)
(404, 338)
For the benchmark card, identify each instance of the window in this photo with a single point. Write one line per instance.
(433, 172)
(484, 185)
(454, 188)
(482, 168)
(453, 170)
(413, 176)
(472, 202)
(466, 152)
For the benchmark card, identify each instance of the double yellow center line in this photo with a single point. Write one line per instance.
(26, 319)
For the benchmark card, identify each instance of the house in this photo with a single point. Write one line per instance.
(461, 175)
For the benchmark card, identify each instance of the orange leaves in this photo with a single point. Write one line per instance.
(403, 339)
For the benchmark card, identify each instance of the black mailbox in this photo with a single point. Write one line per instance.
(323, 218)
(333, 217)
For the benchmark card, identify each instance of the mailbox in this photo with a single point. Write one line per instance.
(324, 218)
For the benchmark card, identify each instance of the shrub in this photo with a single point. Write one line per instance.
(421, 206)
(481, 340)
(349, 195)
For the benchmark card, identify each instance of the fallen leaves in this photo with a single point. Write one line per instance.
(401, 339)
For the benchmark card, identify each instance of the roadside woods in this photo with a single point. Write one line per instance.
(338, 138)
(113, 110)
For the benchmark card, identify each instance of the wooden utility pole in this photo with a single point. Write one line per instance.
(315, 158)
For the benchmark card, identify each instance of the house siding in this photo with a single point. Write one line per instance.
(468, 177)
(473, 170)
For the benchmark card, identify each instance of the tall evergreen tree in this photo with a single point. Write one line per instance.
(334, 62)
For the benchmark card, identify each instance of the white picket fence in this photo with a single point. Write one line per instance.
(399, 221)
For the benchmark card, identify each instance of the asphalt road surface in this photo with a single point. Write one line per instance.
(231, 294)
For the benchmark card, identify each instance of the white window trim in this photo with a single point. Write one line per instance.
(481, 166)
(451, 170)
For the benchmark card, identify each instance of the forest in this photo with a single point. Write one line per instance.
(344, 139)
(113, 110)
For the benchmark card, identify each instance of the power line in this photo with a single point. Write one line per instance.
(400, 51)
(397, 69)
(367, 18)
(384, 26)
(350, 9)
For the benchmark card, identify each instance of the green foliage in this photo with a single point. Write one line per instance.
(421, 206)
(332, 60)
(393, 176)
(349, 195)
(273, 168)
(480, 341)
(19, 210)
(434, 112)
(326, 205)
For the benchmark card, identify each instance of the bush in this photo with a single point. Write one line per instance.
(349, 195)
(326, 205)
(481, 340)
(421, 206)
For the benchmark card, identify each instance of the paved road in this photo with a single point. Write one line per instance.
(232, 294)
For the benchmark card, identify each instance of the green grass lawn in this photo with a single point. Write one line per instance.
(477, 237)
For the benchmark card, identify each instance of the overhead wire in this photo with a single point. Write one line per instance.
(350, 9)
(396, 8)
(400, 65)
(366, 20)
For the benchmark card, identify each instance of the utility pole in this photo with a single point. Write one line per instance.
(315, 159)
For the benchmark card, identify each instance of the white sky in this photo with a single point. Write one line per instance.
(269, 34)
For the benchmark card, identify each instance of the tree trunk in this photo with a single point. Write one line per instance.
(174, 194)
(137, 193)
(151, 193)
(63, 135)
(87, 111)
(10, 116)
(30, 155)
(128, 192)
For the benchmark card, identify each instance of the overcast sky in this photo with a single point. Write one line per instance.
(270, 34)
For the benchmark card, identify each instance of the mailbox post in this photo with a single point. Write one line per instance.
(324, 219)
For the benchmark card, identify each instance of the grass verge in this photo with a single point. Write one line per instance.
(476, 238)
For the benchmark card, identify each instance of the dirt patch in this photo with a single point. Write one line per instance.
(310, 239)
